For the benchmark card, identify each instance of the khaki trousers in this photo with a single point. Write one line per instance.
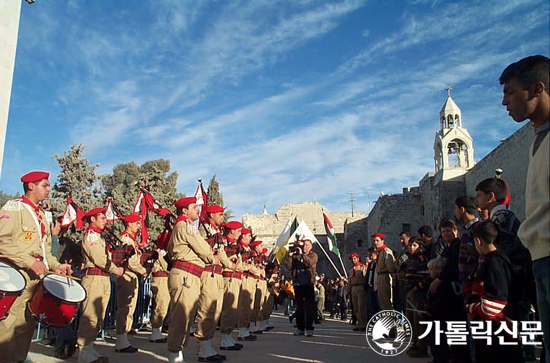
(184, 289)
(161, 297)
(210, 305)
(230, 306)
(259, 300)
(126, 299)
(267, 307)
(359, 299)
(17, 329)
(385, 292)
(246, 301)
(98, 290)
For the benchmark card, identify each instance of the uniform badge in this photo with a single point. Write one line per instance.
(192, 230)
(28, 236)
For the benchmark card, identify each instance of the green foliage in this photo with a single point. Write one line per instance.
(5, 197)
(215, 197)
(154, 175)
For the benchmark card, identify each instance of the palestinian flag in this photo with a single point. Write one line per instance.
(331, 236)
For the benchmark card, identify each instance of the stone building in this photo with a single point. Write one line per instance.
(349, 229)
(456, 173)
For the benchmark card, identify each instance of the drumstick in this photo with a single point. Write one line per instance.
(67, 276)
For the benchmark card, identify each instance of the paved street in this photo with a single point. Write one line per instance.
(334, 341)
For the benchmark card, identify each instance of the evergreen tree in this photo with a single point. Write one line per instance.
(5, 197)
(215, 197)
(77, 180)
(123, 187)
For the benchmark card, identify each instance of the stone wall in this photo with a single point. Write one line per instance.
(512, 156)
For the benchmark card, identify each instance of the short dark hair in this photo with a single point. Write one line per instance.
(486, 231)
(494, 185)
(371, 250)
(426, 230)
(417, 240)
(447, 223)
(466, 202)
(405, 233)
(528, 71)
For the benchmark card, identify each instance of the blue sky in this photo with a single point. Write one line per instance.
(285, 101)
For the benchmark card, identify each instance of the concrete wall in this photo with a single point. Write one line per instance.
(10, 11)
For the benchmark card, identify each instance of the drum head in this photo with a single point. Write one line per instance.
(11, 280)
(64, 288)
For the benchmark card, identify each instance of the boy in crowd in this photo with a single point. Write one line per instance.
(492, 288)
(370, 288)
(465, 209)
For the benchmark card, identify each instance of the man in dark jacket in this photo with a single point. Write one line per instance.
(303, 261)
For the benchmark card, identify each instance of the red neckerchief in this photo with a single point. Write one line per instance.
(354, 266)
(36, 209)
(126, 233)
(242, 245)
(92, 228)
(180, 218)
(230, 240)
(216, 228)
(382, 248)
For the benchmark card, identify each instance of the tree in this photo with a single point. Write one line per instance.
(77, 180)
(123, 187)
(5, 197)
(215, 197)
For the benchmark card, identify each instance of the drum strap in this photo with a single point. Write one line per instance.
(35, 213)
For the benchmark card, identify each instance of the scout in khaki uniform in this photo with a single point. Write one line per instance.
(248, 288)
(232, 285)
(261, 288)
(24, 241)
(212, 286)
(98, 266)
(272, 277)
(127, 286)
(385, 266)
(189, 253)
(160, 296)
(357, 278)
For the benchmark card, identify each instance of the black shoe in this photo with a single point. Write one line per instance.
(128, 349)
(221, 356)
(257, 332)
(291, 318)
(249, 338)
(233, 347)
(212, 358)
(239, 345)
(268, 328)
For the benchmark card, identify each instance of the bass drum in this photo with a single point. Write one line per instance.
(12, 284)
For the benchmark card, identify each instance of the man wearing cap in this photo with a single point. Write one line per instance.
(212, 285)
(98, 266)
(272, 277)
(261, 288)
(385, 266)
(127, 285)
(189, 253)
(232, 285)
(248, 288)
(25, 241)
(357, 277)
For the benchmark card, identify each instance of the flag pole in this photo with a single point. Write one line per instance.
(343, 267)
(328, 258)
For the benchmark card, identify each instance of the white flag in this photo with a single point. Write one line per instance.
(284, 234)
(303, 232)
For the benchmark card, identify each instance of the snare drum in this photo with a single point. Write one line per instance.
(56, 300)
(12, 284)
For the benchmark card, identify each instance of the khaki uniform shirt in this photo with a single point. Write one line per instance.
(21, 236)
(386, 262)
(208, 231)
(160, 264)
(95, 252)
(134, 262)
(186, 244)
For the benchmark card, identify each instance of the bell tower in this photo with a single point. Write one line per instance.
(453, 146)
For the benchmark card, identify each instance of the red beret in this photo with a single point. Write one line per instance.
(353, 255)
(131, 218)
(34, 176)
(162, 211)
(264, 250)
(214, 209)
(245, 231)
(378, 234)
(185, 201)
(256, 243)
(94, 212)
(233, 225)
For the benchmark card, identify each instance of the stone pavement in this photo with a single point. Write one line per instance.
(334, 342)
